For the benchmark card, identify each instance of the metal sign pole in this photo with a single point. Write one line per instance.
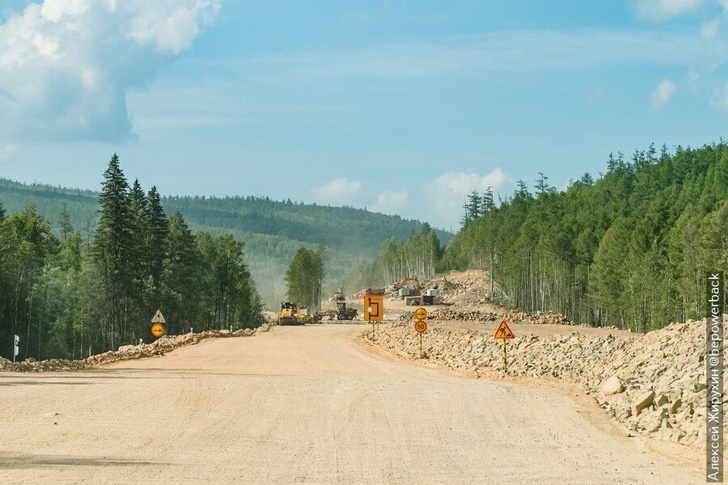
(505, 355)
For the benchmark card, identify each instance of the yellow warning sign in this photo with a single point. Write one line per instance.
(421, 313)
(373, 308)
(504, 331)
(157, 330)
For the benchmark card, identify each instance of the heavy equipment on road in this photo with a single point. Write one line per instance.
(288, 314)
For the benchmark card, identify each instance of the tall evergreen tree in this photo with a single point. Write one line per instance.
(157, 242)
(112, 255)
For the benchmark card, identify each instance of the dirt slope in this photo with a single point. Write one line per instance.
(303, 405)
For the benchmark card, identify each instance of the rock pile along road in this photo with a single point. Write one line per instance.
(307, 404)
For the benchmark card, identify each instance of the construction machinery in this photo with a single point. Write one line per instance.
(288, 314)
(407, 282)
(343, 312)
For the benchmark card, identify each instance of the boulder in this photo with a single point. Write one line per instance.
(643, 401)
(612, 386)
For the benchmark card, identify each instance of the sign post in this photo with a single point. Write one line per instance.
(421, 327)
(158, 322)
(504, 333)
(374, 310)
(16, 347)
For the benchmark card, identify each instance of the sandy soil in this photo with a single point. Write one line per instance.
(306, 405)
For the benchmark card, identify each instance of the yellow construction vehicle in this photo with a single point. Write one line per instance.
(287, 313)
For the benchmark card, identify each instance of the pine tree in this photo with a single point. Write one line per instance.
(157, 241)
(112, 254)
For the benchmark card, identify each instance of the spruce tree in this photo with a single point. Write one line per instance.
(112, 254)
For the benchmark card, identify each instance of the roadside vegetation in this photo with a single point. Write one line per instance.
(630, 249)
(67, 296)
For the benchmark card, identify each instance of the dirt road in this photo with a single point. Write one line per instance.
(303, 405)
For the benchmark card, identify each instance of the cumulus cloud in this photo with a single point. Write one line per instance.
(390, 201)
(340, 191)
(67, 65)
(453, 187)
(663, 93)
(666, 9)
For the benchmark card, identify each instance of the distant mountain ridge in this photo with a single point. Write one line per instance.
(273, 230)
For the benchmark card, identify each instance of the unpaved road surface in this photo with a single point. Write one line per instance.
(304, 405)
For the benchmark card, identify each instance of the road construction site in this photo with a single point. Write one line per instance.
(340, 403)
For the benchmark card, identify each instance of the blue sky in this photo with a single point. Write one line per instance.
(402, 107)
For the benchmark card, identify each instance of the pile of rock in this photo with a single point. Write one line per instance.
(549, 318)
(443, 314)
(126, 352)
(653, 383)
(466, 288)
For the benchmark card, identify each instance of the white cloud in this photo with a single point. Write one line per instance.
(506, 51)
(663, 93)
(390, 201)
(450, 190)
(340, 191)
(66, 66)
(720, 100)
(6, 151)
(711, 29)
(658, 10)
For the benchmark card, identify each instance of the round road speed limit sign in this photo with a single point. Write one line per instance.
(420, 326)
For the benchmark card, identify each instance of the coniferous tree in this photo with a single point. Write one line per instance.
(156, 243)
(113, 255)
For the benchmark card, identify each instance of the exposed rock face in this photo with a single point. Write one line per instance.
(653, 383)
(125, 352)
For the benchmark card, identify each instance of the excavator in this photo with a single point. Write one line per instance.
(403, 282)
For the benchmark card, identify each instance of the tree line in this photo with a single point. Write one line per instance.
(67, 296)
(273, 231)
(417, 256)
(630, 249)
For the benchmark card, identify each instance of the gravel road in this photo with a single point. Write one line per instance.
(305, 405)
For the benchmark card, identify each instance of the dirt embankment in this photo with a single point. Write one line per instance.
(127, 352)
(653, 384)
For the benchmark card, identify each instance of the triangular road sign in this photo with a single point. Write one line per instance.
(504, 331)
(158, 317)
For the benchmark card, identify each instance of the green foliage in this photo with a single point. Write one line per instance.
(305, 277)
(67, 299)
(630, 249)
(273, 231)
(418, 256)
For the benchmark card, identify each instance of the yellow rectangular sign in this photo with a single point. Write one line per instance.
(373, 308)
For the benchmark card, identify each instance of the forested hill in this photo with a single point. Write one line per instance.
(631, 248)
(273, 231)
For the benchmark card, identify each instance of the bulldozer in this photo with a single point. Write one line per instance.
(287, 315)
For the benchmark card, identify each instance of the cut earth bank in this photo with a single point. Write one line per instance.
(653, 384)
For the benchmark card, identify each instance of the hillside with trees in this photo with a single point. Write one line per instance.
(67, 298)
(273, 231)
(630, 249)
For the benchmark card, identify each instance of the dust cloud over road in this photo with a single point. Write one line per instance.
(304, 404)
